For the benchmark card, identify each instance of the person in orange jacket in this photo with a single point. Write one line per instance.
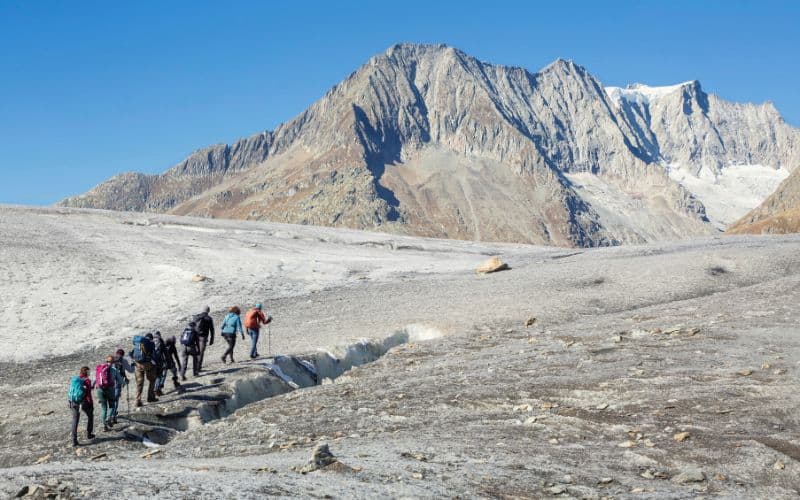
(253, 321)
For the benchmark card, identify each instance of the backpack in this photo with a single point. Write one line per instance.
(102, 376)
(77, 390)
(142, 349)
(158, 357)
(189, 336)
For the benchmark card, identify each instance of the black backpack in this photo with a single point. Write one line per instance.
(158, 354)
(189, 336)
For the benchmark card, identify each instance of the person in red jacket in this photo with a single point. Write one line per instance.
(253, 321)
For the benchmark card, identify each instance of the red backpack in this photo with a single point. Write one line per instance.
(102, 376)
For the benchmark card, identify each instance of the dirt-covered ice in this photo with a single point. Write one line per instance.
(78, 279)
(660, 371)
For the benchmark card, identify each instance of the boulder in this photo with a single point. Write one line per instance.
(492, 265)
(321, 457)
(690, 475)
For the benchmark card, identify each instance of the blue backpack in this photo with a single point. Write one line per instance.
(77, 390)
(142, 349)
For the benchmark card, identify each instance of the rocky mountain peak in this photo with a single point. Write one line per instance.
(428, 140)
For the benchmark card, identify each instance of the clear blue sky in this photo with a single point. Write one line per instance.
(90, 89)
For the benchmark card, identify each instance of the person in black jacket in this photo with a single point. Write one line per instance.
(205, 333)
(172, 363)
(158, 358)
(189, 340)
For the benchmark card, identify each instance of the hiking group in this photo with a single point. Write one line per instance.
(153, 359)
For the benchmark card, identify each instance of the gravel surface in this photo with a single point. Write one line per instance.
(659, 371)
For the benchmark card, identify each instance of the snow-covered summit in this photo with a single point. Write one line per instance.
(643, 94)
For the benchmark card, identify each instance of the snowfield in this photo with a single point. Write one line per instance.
(732, 192)
(666, 371)
(640, 93)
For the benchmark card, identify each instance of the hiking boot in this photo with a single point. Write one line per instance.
(183, 378)
(152, 400)
(75, 443)
(114, 421)
(223, 358)
(159, 393)
(90, 436)
(138, 403)
(106, 428)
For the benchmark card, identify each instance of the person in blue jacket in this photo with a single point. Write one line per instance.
(231, 324)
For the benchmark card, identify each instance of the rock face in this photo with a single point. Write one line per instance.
(429, 141)
(779, 214)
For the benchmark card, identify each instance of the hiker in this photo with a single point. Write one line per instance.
(80, 398)
(190, 348)
(142, 354)
(123, 368)
(231, 324)
(106, 378)
(253, 321)
(205, 334)
(158, 359)
(170, 361)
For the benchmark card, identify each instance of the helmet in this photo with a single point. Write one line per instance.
(259, 306)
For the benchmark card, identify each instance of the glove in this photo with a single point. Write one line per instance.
(269, 319)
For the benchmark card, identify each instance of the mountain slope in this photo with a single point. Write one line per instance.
(429, 141)
(778, 214)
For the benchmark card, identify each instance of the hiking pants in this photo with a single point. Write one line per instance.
(162, 378)
(117, 397)
(145, 370)
(88, 409)
(231, 340)
(107, 404)
(159, 369)
(253, 342)
(185, 361)
(202, 342)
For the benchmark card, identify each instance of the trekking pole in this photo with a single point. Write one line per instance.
(269, 338)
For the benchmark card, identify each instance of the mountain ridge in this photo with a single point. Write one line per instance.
(372, 152)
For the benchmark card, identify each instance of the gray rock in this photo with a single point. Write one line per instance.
(321, 457)
(690, 475)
